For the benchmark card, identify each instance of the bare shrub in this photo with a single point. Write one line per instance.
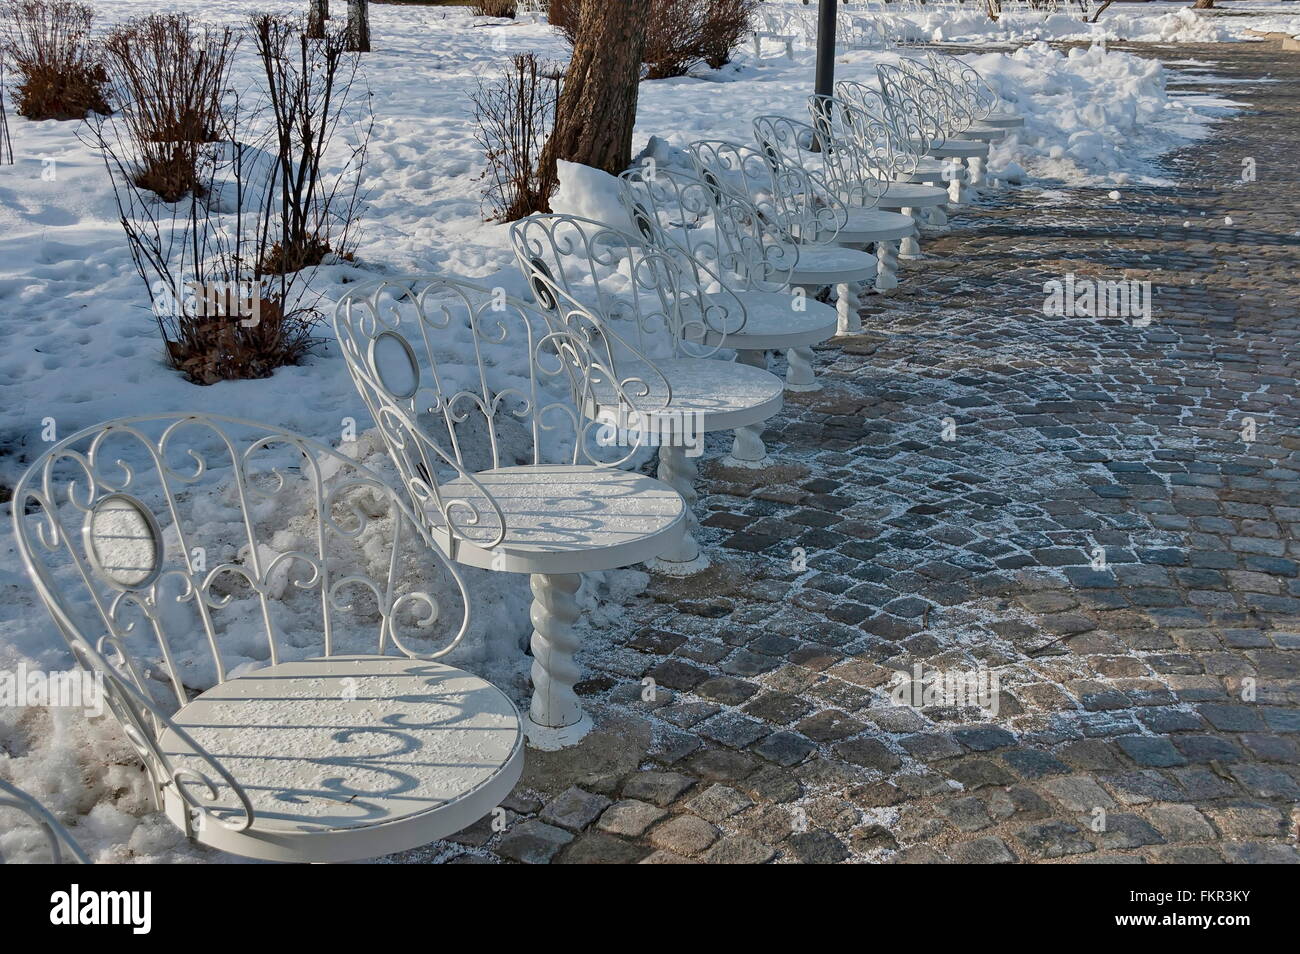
(170, 81)
(674, 35)
(226, 266)
(308, 84)
(726, 24)
(219, 317)
(505, 9)
(678, 34)
(564, 16)
(49, 44)
(514, 114)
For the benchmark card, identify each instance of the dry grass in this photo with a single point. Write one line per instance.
(494, 8)
(219, 347)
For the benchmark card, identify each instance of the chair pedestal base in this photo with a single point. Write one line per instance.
(846, 307)
(678, 471)
(909, 247)
(799, 370)
(544, 738)
(555, 707)
(886, 267)
(955, 193)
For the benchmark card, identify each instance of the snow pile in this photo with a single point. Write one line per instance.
(1091, 115)
(591, 194)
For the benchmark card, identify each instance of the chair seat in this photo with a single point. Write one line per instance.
(959, 149)
(982, 132)
(348, 757)
(1005, 119)
(928, 170)
(564, 518)
(772, 323)
(910, 195)
(707, 394)
(832, 264)
(877, 225)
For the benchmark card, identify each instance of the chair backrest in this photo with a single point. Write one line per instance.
(673, 213)
(839, 170)
(800, 206)
(978, 96)
(56, 838)
(875, 124)
(460, 378)
(637, 295)
(720, 227)
(174, 551)
(953, 111)
(919, 103)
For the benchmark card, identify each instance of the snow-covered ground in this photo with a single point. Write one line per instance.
(81, 345)
(1157, 22)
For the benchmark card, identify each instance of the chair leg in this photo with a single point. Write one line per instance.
(910, 247)
(886, 267)
(956, 195)
(938, 215)
(846, 307)
(555, 717)
(678, 471)
(799, 369)
(976, 166)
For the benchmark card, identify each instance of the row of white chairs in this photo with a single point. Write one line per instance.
(267, 617)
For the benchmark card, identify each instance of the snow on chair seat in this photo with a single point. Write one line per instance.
(266, 615)
(640, 296)
(497, 457)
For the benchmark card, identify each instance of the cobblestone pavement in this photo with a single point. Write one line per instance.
(1097, 533)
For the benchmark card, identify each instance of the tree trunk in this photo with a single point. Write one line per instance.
(359, 26)
(597, 106)
(1203, 5)
(318, 11)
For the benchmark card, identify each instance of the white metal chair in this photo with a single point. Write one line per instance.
(48, 832)
(958, 101)
(266, 617)
(795, 206)
(480, 399)
(986, 107)
(674, 211)
(917, 93)
(864, 118)
(635, 288)
(838, 170)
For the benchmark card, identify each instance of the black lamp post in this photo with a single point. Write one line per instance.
(825, 81)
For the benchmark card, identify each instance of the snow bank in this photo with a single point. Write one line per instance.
(1091, 115)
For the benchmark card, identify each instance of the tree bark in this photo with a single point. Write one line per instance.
(597, 106)
(359, 26)
(318, 11)
(1203, 5)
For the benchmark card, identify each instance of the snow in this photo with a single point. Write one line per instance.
(81, 345)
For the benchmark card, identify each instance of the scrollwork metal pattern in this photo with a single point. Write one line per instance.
(256, 520)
